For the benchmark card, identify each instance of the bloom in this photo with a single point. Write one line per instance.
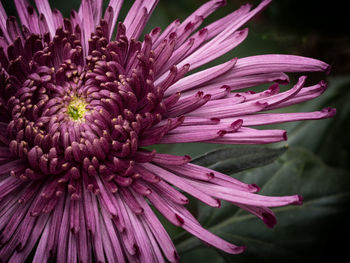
(78, 105)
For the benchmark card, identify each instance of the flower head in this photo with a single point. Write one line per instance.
(78, 104)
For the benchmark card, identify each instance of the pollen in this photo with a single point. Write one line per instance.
(77, 109)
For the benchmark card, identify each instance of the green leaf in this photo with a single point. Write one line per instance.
(328, 138)
(306, 232)
(238, 158)
(233, 160)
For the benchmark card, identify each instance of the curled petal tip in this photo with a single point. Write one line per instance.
(203, 31)
(226, 87)
(237, 124)
(323, 84)
(187, 158)
(243, 31)
(180, 219)
(330, 112)
(302, 79)
(283, 79)
(176, 257)
(216, 120)
(274, 89)
(222, 2)
(300, 200)
(269, 220)
(221, 133)
(266, 2)
(285, 137)
(240, 249)
(210, 175)
(185, 201)
(247, 5)
(234, 60)
(254, 188)
(261, 104)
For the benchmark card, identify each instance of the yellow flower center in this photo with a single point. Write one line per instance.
(76, 109)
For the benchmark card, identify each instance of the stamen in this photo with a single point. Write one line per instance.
(76, 109)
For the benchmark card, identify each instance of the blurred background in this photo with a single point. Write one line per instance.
(317, 163)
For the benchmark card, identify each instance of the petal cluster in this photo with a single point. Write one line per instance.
(79, 103)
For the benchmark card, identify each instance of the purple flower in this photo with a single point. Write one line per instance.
(79, 104)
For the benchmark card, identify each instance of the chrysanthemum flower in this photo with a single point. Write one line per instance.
(79, 103)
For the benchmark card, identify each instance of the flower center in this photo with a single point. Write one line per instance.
(76, 109)
(85, 119)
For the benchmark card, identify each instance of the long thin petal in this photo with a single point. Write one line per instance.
(252, 136)
(177, 181)
(273, 118)
(276, 63)
(138, 16)
(201, 77)
(45, 9)
(113, 9)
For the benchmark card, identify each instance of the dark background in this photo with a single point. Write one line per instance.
(313, 28)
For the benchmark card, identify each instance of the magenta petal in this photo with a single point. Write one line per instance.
(272, 118)
(138, 16)
(45, 9)
(175, 180)
(281, 63)
(81, 98)
(111, 14)
(201, 77)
